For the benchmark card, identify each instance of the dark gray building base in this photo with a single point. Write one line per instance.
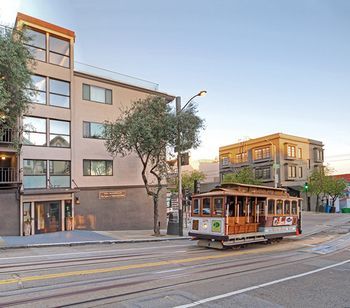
(9, 211)
(117, 208)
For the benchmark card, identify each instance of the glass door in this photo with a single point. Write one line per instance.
(47, 216)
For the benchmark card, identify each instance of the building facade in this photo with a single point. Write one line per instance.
(277, 160)
(64, 178)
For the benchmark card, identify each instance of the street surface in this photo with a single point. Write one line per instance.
(305, 271)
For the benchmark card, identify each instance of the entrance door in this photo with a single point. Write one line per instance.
(47, 216)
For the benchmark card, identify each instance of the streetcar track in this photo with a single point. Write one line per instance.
(115, 296)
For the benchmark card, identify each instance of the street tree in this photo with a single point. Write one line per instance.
(244, 176)
(188, 179)
(317, 184)
(16, 64)
(149, 128)
(335, 188)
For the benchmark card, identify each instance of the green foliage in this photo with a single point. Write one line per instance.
(15, 63)
(147, 129)
(335, 188)
(188, 179)
(320, 182)
(243, 176)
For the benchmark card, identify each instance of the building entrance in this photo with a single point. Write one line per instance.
(47, 216)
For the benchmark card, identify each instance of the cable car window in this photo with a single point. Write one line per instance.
(294, 208)
(286, 209)
(271, 207)
(195, 209)
(218, 206)
(206, 207)
(279, 207)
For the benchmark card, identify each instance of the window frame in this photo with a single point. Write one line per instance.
(49, 134)
(98, 160)
(27, 44)
(36, 175)
(94, 101)
(57, 53)
(273, 204)
(193, 206)
(214, 207)
(90, 137)
(59, 94)
(35, 132)
(202, 207)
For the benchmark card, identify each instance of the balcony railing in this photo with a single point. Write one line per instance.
(8, 175)
(6, 136)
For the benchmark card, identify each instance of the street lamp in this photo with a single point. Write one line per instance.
(275, 161)
(178, 111)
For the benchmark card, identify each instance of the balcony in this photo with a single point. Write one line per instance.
(8, 175)
(7, 136)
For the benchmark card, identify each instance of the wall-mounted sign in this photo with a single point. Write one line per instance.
(113, 194)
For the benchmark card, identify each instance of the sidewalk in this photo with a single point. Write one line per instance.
(80, 237)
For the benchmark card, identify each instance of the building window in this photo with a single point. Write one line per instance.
(262, 153)
(291, 151)
(59, 134)
(59, 93)
(286, 210)
(34, 173)
(59, 171)
(242, 157)
(38, 91)
(36, 44)
(225, 161)
(292, 172)
(300, 153)
(263, 173)
(59, 51)
(279, 207)
(318, 155)
(206, 207)
(300, 172)
(97, 167)
(34, 131)
(97, 94)
(271, 207)
(93, 130)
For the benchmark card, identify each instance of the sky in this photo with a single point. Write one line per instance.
(268, 66)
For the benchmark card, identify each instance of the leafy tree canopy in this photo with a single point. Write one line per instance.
(244, 176)
(15, 63)
(188, 179)
(149, 128)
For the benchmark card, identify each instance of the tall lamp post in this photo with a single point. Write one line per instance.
(178, 111)
(275, 162)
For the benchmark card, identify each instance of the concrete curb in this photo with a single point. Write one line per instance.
(93, 243)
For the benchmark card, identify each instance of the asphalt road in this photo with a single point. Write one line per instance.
(298, 272)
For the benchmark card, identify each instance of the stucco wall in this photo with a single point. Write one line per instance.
(132, 212)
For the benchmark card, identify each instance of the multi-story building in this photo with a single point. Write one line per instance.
(64, 178)
(277, 160)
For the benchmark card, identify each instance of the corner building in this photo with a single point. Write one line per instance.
(64, 178)
(279, 159)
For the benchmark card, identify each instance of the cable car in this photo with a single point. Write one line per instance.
(236, 214)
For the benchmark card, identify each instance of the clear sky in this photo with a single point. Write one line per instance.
(268, 66)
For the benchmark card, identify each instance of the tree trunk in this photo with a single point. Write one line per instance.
(317, 209)
(156, 227)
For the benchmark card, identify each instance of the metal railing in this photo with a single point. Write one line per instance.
(6, 136)
(109, 74)
(8, 175)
